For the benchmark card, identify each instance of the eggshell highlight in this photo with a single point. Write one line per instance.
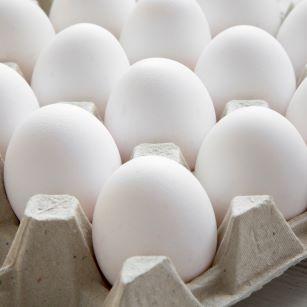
(154, 206)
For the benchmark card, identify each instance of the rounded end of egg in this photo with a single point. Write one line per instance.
(135, 216)
(59, 149)
(254, 151)
(82, 63)
(160, 101)
(24, 31)
(111, 15)
(224, 14)
(244, 63)
(167, 29)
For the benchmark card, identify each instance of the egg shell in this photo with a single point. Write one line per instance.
(109, 14)
(17, 102)
(292, 35)
(175, 29)
(223, 14)
(154, 206)
(59, 149)
(297, 111)
(160, 101)
(245, 63)
(254, 151)
(24, 31)
(82, 63)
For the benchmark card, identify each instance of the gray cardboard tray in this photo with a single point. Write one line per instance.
(50, 260)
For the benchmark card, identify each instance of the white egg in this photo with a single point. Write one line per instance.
(245, 62)
(254, 151)
(166, 28)
(297, 111)
(154, 206)
(292, 35)
(82, 63)
(223, 14)
(157, 101)
(110, 14)
(24, 31)
(59, 149)
(17, 102)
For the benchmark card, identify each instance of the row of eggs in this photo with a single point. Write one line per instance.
(148, 28)
(62, 149)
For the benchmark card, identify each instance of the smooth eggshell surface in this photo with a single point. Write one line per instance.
(297, 111)
(82, 63)
(254, 151)
(245, 62)
(109, 14)
(292, 35)
(24, 31)
(59, 149)
(157, 101)
(223, 14)
(168, 29)
(154, 206)
(17, 102)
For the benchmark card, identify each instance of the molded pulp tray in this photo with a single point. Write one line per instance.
(50, 261)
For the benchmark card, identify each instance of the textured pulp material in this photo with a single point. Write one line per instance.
(238, 104)
(50, 261)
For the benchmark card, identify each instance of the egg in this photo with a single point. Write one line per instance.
(154, 206)
(245, 62)
(166, 28)
(297, 111)
(82, 63)
(159, 101)
(59, 149)
(254, 151)
(24, 31)
(17, 103)
(292, 35)
(223, 14)
(110, 14)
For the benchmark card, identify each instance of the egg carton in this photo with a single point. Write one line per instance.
(234, 105)
(51, 263)
(50, 259)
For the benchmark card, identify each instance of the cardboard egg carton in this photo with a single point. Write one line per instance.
(234, 105)
(85, 105)
(167, 150)
(48, 259)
